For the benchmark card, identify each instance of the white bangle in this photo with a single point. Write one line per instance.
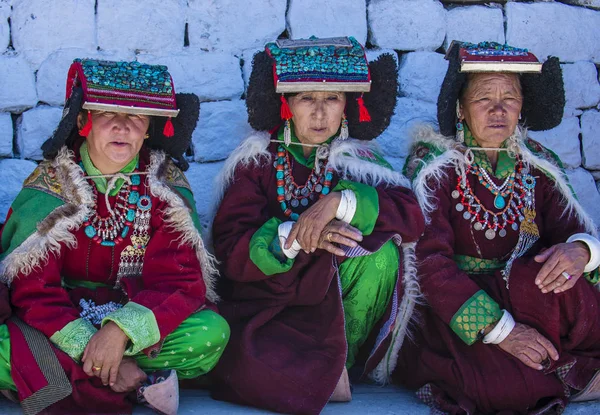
(502, 329)
(347, 207)
(593, 246)
(283, 231)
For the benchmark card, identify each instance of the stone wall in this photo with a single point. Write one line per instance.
(208, 46)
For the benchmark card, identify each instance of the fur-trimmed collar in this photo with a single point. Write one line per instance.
(349, 159)
(452, 154)
(76, 192)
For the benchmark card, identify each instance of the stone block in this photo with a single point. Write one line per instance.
(233, 25)
(149, 25)
(421, 75)
(4, 28)
(222, 126)
(396, 141)
(582, 89)
(34, 127)
(212, 76)
(484, 23)
(592, 4)
(52, 75)
(17, 84)
(6, 135)
(585, 188)
(571, 33)
(563, 140)
(38, 27)
(13, 173)
(590, 138)
(407, 24)
(327, 19)
(201, 177)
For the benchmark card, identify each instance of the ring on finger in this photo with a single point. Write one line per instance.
(96, 368)
(328, 236)
(566, 275)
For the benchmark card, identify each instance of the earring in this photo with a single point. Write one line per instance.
(344, 134)
(286, 114)
(460, 129)
(147, 136)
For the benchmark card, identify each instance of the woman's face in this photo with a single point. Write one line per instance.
(491, 105)
(115, 138)
(317, 115)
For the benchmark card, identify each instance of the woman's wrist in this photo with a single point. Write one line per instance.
(498, 333)
(593, 246)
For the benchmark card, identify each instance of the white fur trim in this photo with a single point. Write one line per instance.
(404, 316)
(34, 251)
(434, 170)
(178, 217)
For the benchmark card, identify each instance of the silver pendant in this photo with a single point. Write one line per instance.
(304, 202)
(467, 215)
(318, 188)
(295, 203)
(455, 194)
(478, 226)
(502, 233)
(514, 226)
(490, 234)
(460, 207)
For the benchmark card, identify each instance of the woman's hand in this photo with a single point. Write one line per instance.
(103, 354)
(570, 258)
(130, 376)
(338, 232)
(529, 346)
(307, 230)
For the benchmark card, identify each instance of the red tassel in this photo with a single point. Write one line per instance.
(169, 130)
(286, 112)
(364, 115)
(85, 131)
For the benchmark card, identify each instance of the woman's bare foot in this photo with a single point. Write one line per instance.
(342, 391)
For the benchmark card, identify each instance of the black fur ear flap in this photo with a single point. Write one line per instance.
(184, 125)
(543, 97)
(380, 101)
(66, 126)
(262, 101)
(450, 92)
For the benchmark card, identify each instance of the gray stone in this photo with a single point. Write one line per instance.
(149, 25)
(211, 76)
(592, 4)
(590, 138)
(571, 33)
(233, 25)
(13, 173)
(421, 75)
(484, 23)
(407, 24)
(201, 177)
(17, 84)
(4, 28)
(34, 127)
(327, 19)
(410, 113)
(582, 89)
(6, 135)
(52, 75)
(585, 188)
(563, 140)
(39, 28)
(222, 126)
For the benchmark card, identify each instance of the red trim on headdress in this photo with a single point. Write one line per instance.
(285, 112)
(364, 115)
(169, 130)
(85, 131)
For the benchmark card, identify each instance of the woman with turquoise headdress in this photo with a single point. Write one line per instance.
(314, 230)
(509, 259)
(111, 287)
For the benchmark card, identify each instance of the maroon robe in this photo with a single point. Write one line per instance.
(288, 348)
(480, 377)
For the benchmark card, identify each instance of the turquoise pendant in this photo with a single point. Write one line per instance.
(90, 231)
(499, 202)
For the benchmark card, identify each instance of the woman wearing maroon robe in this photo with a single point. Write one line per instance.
(509, 259)
(314, 230)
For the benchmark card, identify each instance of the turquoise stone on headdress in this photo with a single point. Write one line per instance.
(335, 64)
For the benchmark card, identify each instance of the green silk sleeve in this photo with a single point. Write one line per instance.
(475, 314)
(367, 205)
(263, 249)
(138, 323)
(73, 337)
